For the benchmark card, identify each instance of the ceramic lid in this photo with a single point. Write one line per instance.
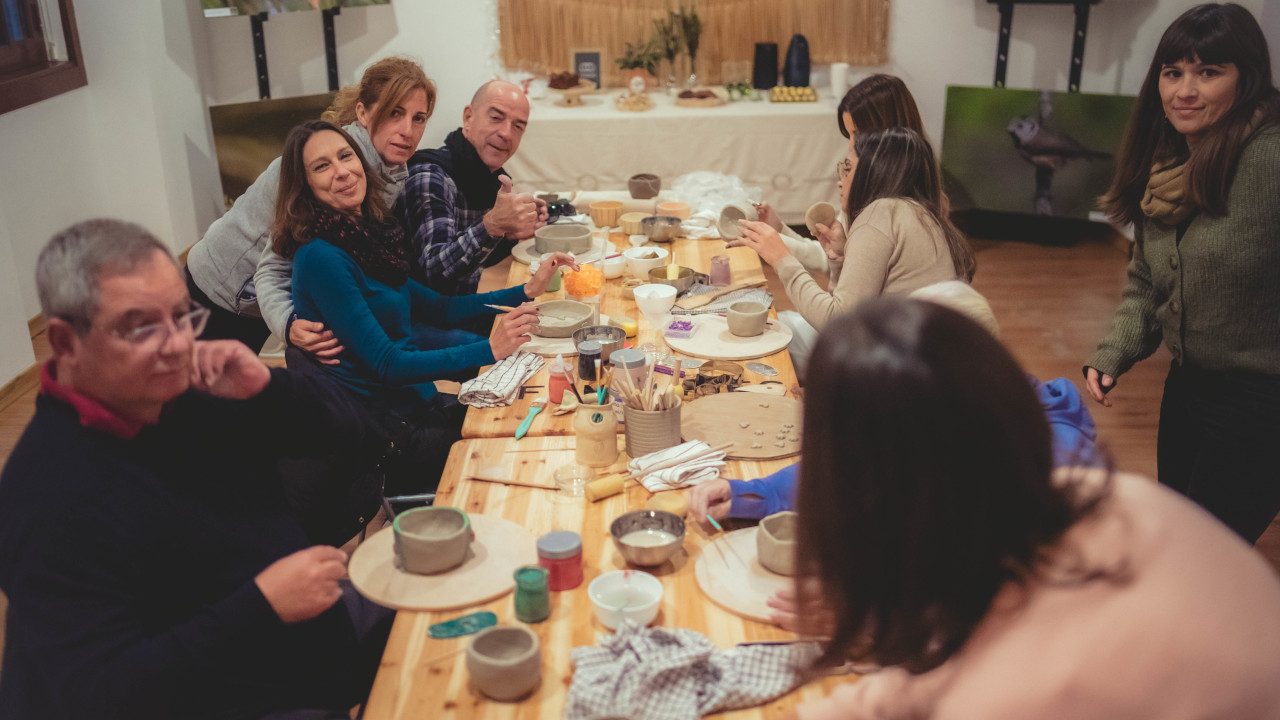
(559, 544)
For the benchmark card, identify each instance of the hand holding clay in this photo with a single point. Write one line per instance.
(513, 330)
(712, 497)
(228, 369)
(303, 585)
(832, 238)
(764, 240)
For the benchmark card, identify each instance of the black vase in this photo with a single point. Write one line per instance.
(764, 74)
(795, 73)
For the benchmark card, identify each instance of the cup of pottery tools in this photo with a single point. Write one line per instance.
(505, 661)
(649, 431)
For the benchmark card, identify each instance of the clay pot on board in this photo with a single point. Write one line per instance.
(505, 662)
(747, 318)
(431, 540)
(776, 542)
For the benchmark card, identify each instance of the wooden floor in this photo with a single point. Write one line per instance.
(1053, 302)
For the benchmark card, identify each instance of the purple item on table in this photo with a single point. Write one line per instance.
(680, 329)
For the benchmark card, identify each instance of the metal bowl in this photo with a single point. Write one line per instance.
(660, 228)
(683, 281)
(610, 338)
(641, 520)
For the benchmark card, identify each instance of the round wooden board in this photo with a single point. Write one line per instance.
(551, 347)
(524, 252)
(729, 574)
(717, 419)
(712, 340)
(500, 547)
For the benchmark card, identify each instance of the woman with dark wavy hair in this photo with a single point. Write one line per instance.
(941, 546)
(1199, 178)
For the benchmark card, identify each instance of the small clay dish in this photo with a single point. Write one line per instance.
(629, 288)
(561, 318)
(631, 222)
(562, 238)
(747, 318)
(647, 537)
(505, 662)
(819, 213)
(644, 186)
(674, 209)
(431, 540)
(776, 542)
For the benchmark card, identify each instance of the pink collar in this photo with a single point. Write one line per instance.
(93, 414)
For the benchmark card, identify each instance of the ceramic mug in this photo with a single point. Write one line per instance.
(731, 215)
(776, 543)
(505, 662)
(431, 540)
(747, 318)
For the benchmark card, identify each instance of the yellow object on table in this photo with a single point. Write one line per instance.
(585, 282)
(629, 326)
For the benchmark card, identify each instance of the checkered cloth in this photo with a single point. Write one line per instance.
(677, 674)
(497, 386)
(722, 303)
(698, 463)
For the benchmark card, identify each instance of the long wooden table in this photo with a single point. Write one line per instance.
(503, 421)
(422, 677)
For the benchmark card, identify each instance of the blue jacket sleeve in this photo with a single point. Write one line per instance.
(439, 310)
(328, 279)
(765, 496)
(1071, 427)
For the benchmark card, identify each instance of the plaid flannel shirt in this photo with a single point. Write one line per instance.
(448, 236)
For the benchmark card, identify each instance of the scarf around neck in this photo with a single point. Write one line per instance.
(392, 176)
(1165, 198)
(477, 183)
(379, 249)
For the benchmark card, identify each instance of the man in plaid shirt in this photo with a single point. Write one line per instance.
(458, 203)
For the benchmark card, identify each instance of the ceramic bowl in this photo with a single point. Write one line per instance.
(629, 288)
(647, 537)
(660, 228)
(683, 281)
(776, 542)
(674, 209)
(505, 661)
(605, 213)
(561, 318)
(562, 238)
(613, 267)
(610, 338)
(644, 186)
(631, 222)
(731, 215)
(747, 318)
(625, 595)
(431, 540)
(819, 213)
(638, 262)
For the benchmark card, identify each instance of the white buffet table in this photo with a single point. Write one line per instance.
(789, 150)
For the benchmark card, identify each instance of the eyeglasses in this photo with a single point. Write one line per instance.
(158, 333)
(843, 168)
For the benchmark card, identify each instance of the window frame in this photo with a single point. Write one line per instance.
(30, 84)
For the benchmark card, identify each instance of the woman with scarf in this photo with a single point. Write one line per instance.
(247, 290)
(351, 264)
(1199, 178)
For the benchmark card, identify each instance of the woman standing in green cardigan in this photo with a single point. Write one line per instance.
(1199, 178)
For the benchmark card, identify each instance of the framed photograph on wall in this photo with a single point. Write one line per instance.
(586, 63)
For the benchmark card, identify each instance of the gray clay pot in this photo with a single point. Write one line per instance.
(776, 542)
(431, 540)
(505, 662)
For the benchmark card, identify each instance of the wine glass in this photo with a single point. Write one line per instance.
(655, 301)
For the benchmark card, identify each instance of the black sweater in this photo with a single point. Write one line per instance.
(129, 564)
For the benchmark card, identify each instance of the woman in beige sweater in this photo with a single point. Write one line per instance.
(899, 240)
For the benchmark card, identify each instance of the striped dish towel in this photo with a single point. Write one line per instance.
(497, 386)
(680, 466)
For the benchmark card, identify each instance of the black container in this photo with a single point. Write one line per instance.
(796, 71)
(764, 74)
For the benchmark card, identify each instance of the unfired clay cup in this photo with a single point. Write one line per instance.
(505, 662)
(431, 540)
(731, 215)
(746, 318)
(776, 543)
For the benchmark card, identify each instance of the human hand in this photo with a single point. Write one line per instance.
(513, 215)
(543, 213)
(1099, 384)
(790, 604)
(227, 369)
(832, 238)
(513, 330)
(712, 497)
(303, 585)
(537, 284)
(311, 337)
(764, 240)
(768, 216)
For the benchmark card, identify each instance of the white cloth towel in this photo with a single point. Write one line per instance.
(677, 674)
(697, 462)
(497, 386)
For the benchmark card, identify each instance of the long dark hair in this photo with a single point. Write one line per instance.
(1213, 34)
(898, 162)
(296, 205)
(925, 482)
(879, 102)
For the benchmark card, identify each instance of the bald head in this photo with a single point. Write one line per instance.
(495, 120)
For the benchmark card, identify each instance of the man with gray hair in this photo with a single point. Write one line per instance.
(458, 205)
(151, 565)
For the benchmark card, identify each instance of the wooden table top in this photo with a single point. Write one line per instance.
(502, 422)
(421, 677)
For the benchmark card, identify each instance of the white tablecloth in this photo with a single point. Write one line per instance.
(789, 150)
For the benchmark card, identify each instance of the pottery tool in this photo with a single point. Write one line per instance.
(538, 404)
(512, 481)
(762, 369)
(732, 549)
(502, 308)
(697, 301)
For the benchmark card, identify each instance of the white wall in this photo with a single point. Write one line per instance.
(15, 349)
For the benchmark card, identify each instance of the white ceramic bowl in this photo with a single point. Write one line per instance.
(639, 266)
(613, 267)
(625, 595)
(654, 299)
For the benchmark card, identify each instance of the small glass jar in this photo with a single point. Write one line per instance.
(588, 353)
(560, 552)
(721, 274)
(533, 600)
(558, 380)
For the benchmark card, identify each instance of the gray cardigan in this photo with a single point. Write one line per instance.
(223, 264)
(1214, 297)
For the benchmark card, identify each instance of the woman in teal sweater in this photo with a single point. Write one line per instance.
(351, 272)
(1199, 178)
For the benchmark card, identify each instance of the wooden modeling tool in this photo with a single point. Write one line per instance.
(697, 301)
(502, 308)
